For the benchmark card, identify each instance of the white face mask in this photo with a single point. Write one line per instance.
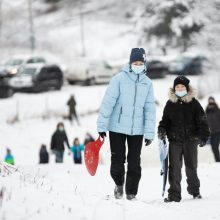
(137, 69)
(181, 93)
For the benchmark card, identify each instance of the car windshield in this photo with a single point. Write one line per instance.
(14, 62)
(183, 60)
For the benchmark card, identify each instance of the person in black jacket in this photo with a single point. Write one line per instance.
(213, 115)
(72, 109)
(184, 122)
(57, 142)
(44, 156)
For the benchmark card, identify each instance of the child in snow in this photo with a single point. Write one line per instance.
(44, 155)
(77, 149)
(9, 158)
(185, 124)
(128, 113)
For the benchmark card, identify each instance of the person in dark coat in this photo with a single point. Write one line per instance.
(88, 138)
(57, 142)
(184, 122)
(44, 156)
(213, 115)
(72, 109)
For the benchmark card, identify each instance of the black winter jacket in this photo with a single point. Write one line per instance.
(213, 115)
(58, 139)
(184, 119)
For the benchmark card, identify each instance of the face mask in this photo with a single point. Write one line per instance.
(181, 93)
(137, 69)
(61, 129)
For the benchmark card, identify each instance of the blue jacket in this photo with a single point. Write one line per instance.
(76, 150)
(128, 106)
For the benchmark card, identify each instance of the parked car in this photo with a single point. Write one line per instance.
(156, 69)
(12, 66)
(187, 65)
(90, 72)
(37, 77)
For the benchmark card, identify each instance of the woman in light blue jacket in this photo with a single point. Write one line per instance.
(128, 113)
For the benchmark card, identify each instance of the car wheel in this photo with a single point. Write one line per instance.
(90, 82)
(6, 93)
(71, 82)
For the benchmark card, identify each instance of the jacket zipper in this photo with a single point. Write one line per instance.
(119, 118)
(135, 94)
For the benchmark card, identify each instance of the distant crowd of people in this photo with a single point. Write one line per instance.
(58, 142)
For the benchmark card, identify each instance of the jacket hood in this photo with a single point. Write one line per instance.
(133, 76)
(188, 98)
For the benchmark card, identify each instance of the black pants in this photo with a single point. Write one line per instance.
(118, 158)
(215, 140)
(77, 160)
(59, 156)
(73, 115)
(178, 151)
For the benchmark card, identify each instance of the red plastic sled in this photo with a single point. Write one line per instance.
(91, 155)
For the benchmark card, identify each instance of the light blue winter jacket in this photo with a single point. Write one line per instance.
(128, 106)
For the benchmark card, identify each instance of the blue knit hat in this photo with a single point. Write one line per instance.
(137, 54)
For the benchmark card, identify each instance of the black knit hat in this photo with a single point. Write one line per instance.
(181, 80)
(137, 54)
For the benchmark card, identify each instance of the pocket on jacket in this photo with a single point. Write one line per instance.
(119, 117)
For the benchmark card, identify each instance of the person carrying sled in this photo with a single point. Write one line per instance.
(184, 122)
(128, 113)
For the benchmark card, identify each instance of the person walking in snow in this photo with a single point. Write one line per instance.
(59, 138)
(128, 113)
(77, 149)
(72, 109)
(213, 115)
(184, 122)
(9, 157)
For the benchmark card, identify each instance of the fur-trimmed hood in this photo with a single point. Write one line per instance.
(188, 98)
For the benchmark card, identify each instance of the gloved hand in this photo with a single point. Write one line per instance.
(202, 143)
(102, 134)
(147, 142)
(161, 134)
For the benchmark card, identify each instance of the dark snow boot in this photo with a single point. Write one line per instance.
(131, 197)
(167, 200)
(118, 192)
(197, 196)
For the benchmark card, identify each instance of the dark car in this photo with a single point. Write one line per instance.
(11, 67)
(156, 69)
(187, 65)
(37, 77)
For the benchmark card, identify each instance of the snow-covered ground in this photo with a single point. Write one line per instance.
(68, 192)
(56, 191)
